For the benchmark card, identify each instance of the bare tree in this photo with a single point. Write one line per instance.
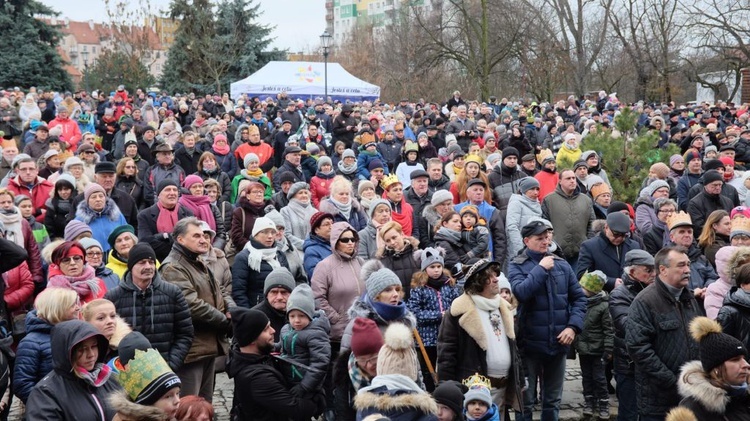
(127, 30)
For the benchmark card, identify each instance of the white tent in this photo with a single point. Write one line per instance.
(304, 80)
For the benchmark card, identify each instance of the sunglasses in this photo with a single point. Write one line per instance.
(72, 259)
(347, 240)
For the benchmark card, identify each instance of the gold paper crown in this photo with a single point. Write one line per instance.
(389, 180)
(740, 225)
(473, 158)
(679, 219)
(144, 368)
(477, 380)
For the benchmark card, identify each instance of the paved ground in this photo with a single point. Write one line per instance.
(572, 401)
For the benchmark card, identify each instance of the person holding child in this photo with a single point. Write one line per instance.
(474, 232)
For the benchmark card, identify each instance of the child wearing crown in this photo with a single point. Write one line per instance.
(478, 405)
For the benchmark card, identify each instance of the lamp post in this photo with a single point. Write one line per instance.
(85, 55)
(325, 43)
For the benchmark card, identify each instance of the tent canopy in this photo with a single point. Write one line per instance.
(304, 80)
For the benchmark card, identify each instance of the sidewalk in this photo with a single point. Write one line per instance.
(570, 410)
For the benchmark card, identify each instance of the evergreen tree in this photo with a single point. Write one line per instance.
(627, 155)
(184, 70)
(29, 47)
(115, 68)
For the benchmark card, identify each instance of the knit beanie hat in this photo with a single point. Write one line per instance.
(740, 226)
(510, 151)
(661, 170)
(117, 232)
(247, 324)
(654, 186)
(374, 204)
(711, 176)
(74, 229)
(364, 184)
(527, 183)
(279, 278)
(366, 337)
(87, 243)
(479, 390)
(375, 164)
(262, 223)
(675, 159)
(317, 219)
(451, 394)
(593, 281)
(727, 161)
(251, 157)
(617, 207)
(190, 180)
(139, 252)
(129, 344)
(163, 184)
(323, 160)
(378, 278)
(277, 219)
(492, 159)
(690, 155)
(710, 148)
(296, 187)
(397, 356)
(715, 346)
(312, 148)
(599, 189)
(429, 256)
(739, 210)
(20, 198)
(713, 164)
(580, 164)
(301, 299)
(220, 136)
(503, 282)
(91, 189)
(441, 196)
(348, 153)
(65, 178)
(147, 377)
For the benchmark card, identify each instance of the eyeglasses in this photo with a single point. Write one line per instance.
(94, 254)
(257, 192)
(347, 240)
(70, 260)
(666, 211)
(131, 167)
(369, 361)
(618, 234)
(88, 152)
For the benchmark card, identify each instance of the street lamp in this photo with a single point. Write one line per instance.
(325, 42)
(85, 55)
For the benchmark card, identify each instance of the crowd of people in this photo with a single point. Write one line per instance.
(350, 261)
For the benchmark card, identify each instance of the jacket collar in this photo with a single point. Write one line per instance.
(464, 308)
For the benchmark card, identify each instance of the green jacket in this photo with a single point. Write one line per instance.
(598, 332)
(236, 186)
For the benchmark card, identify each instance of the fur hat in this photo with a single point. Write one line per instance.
(715, 346)
(301, 299)
(430, 256)
(397, 356)
(377, 278)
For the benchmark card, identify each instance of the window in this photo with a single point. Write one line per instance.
(93, 50)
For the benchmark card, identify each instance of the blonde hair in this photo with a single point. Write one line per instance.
(53, 304)
(88, 310)
(340, 184)
(390, 225)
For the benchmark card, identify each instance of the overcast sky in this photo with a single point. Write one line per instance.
(298, 23)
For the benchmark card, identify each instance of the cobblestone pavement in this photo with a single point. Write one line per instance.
(570, 409)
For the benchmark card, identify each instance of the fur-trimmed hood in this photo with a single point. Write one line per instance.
(395, 393)
(110, 211)
(131, 411)
(464, 308)
(742, 255)
(692, 383)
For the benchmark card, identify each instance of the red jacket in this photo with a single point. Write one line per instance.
(71, 133)
(547, 183)
(39, 193)
(19, 288)
(320, 189)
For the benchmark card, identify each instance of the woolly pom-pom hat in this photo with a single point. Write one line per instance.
(377, 278)
(397, 356)
(715, 346)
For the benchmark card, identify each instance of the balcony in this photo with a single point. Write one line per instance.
(73, 53)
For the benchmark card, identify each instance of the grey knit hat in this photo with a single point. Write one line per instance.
(279, 278)
(429, 256)
(378, 278)
(301, 299)
(296, 187)
(441, 196)
(276, 217)
(323, 160)
(527, 183)
(654, 186)
(374, 204)
(74, 229)
(363, 184)
(251, 157)
(348, 153)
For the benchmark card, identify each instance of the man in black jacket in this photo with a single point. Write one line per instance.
(153, 307)
(657, 333)
(638, 273)
(260, 391)
(277, 287)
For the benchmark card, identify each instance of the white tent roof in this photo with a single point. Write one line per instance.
(303, 80)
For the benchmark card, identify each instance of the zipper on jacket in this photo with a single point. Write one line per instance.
(99, 407)
(684, 325)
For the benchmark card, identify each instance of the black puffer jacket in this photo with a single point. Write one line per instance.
(247, 284)
(402, 263)
(734, 316)
(61, 395)
(619, 304)
(160, 313)
(659, 342)
(703, 204)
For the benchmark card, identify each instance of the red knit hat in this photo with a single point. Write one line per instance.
(317, 219)
(366, 337)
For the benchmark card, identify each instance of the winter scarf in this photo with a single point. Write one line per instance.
(326, 175)
(167, 219)
(221, 150)
(344, 209)
(13, 226)
(453, 236)
(84, 285)
(96, 377)
(253, 175)
(355, 374)
(62, 206)
(299, 218)
(257, 256)
(439, 283)
(201, 208)
(486, 304)
(211, 173)
(405, 217)
(347, 169)
(387, 312)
